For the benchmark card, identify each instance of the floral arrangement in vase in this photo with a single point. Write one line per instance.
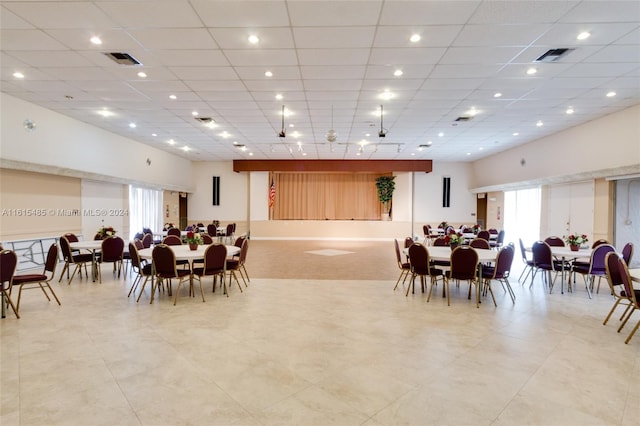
(576, 240)
(443, 225)
(167, 226)
(106, 232)
(454, 238)
(193, 239)
(476, 228)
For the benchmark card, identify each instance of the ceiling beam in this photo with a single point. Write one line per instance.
(383, 166)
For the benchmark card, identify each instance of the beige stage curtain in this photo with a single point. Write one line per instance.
(325, 196)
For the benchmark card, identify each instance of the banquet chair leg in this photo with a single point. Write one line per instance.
(632, 332)
(626, 318)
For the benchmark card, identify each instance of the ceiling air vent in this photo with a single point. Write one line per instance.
(123, 58)
(204, 120)
(552, 55)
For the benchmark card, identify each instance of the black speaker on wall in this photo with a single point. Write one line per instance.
(446, 191)
(216, 190)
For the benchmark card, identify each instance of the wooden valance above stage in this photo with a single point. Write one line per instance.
(382, 166)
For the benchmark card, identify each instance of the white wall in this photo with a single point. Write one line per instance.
(65, 146)
(234, 190)
(608, 143)
(259, 194)
(103, 204)
(428, 196)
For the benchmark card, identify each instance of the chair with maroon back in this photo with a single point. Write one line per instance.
(632, 295)
(464, 266)
(142, 270)
(215, 259)
(500, 272)
(164, 262)
(147, 240)
(404, 267)
(616, 286)
(174, 231)
(174, 240)
(554, 241)
(112, 252)
(485, 235)
(421, 266)
(40, 281)
(543, 261)
(480, 243)
(441, 242)
(8, 264)
(73, 259)
(234, 265)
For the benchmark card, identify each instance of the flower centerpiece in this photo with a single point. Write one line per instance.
(443, 225)
(106, 232)
(575, 241)
(167, 226)
(476, 228)
(453, 238)
(193, 239)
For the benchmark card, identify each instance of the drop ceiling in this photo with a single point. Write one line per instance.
(334, 66)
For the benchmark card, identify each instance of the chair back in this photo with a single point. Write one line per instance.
(504, 262)
(72, 238)
(147, 240)
(500, 238)
(206, 239)
(426, 230)
(172, 240)
(164, 261)
(215, 259)
(229, 230)
(52, 259)
(212, 229)
(480, 243)
(599, 242)
(398, 255)
(135, 257)
(623, 270)
(419, 259)
(627, 253)
(139, 236)
(238, 242)
(485, 235)
(66, 249)
(493, 231)
(449, 230)
(174, 231)
(542, 255)
(523, 251)
(554, 241)
(138, 243)
(408, 242)
(243, 251)
(597, 261)
(440, 242)
(613, 273)
(464, 263)
(112, 249)
(8, 263)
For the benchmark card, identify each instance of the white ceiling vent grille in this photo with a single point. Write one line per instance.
(553, 55)
(123, 58)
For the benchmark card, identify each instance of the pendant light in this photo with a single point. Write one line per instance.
(332, 135)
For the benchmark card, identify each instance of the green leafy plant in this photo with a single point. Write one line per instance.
(386, 186)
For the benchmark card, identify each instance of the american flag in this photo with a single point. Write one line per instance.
(272, 193)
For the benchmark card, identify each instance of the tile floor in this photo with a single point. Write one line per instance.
(316, 352)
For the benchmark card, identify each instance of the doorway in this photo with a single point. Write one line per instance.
(183, 210)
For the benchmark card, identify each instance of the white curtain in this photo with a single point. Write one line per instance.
(522, 216)
(145, 210)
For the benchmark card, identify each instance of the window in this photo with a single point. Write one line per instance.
(145, 210)
(522, 216)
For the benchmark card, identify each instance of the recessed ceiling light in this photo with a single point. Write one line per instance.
(279, 97)
(142, 74)
(429, 143)
(468, 153)
(304, 154)
(398, 73)
(441, 134)
(292, 125)
(583, 35)
(154, 134)
(268, 74)
(224, 134)
(95, 40)
(386, 95)
(420, 148)
(171, 142)
(472, 112)
(186, 148)
(415, 38)
(173, 97)
(539, 123)
(250, 154)
(611, 94)
(480, 149)
(531, 71)
(515, 133)
(497, 95)
(254, 39)
(413, 153)
(18, 74)
(133, 125)
(194, 113)
(569, 111)
(105, 113)
(367, 134)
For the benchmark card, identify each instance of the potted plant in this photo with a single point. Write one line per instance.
(386, 186)
(193, 239)
(105, 232)
(454, 239)
(575, 240)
